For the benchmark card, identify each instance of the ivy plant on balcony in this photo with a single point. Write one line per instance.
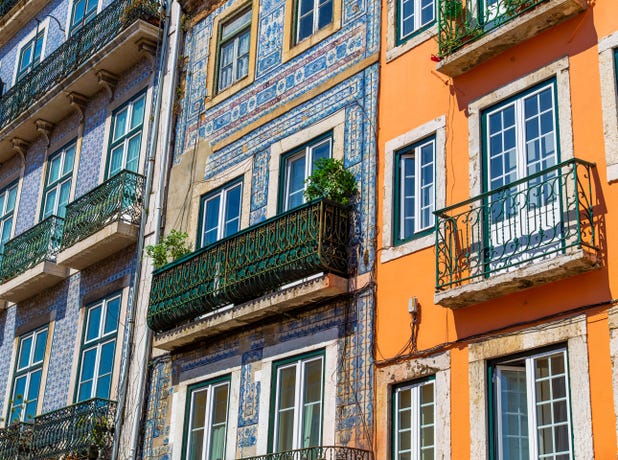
(172, 247)
(141, 9)
(332, 181)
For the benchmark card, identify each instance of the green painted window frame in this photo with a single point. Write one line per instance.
(304, 148)
(222, 191)
(315, 29)
(413, 151)
(74, 26)
(415, 434)
(492, 393)
(36, 58)
(7, 214)
(191, 389)
(29, 369)
(298, 359)
(402, 38)
(98, 342)
(246, 28)
(127, 136)
(616, 68)
(66, 177)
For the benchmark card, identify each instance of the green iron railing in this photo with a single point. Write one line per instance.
(307, 240)
(74, 430)
(6, 6)
(15, 441)
(72, 55)
(462, 21)
(318, 453)
(40, 243)
(119, 198)
(546, 213)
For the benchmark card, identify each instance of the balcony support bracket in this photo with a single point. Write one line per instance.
(21, 146)
(108, 81)
(44, 128)
(147, 48)
(78, 102)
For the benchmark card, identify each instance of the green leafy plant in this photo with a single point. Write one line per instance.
(172, 247)
(332, 181)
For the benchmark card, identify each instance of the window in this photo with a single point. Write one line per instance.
(28, 376)
(414, 420)
(220, 213)
(30, 54)
(299, 165)
(233, 50)
(8, 197)
(58, 181)
(312, 16)
(207, 407)
(299, 392)
(126, 137)
(531, 407)
(415, 178)
(412, 16)
(98, 349)
(83, 12)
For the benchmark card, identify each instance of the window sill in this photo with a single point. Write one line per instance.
(409, 247)
(572, 263)
(418, 39)
(211, 101)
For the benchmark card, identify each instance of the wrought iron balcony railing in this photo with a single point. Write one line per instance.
(74, 430)
(462, 21)
(534, 218)
(318, 453)
(119, 198)
(307, 240)
(15, 441)
(72, 55)
(36, 245)
(5, 7)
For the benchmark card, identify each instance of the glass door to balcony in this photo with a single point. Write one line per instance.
(523, 218)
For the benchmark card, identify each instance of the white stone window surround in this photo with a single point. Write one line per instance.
(395, 374)
(67, 25)
(393, 50)
(573, 331)
(42, 26)
(335, 122)
(560, 71)
(613, 347)
(329, 399)
(609, 102)
(435, 127)
(179, 404)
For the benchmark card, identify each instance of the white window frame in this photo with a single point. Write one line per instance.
(531, 414)
(609, 102)
(6, 215)
(416, 425)
(437, 128)
(62, 179)
(315, 11)
(42, 28)
(418, 25)
(67, 26)
(208, 426)
(222, 193)
(235, 40)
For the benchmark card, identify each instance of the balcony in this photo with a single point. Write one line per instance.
(90, 60)
(28, 263)
(260, 261)
(15, 441)
(533, 231)
(318, 453)
(103, 221)
(469, 34)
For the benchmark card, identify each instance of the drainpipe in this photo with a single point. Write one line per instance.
(135, 285)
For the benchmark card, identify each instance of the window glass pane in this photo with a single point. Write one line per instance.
(133, 153)
(111, 318)
(427, 12)
(19, 391)
(199, 409)
(407, 17)
(115, 164)
(514, 412)
(325, 13)
(285, 411)
(88, 363)
(6, 230)
(65, 192)
(106, 363)
(312, 398)
(138, 112)
(211, 220)
(296, 182)
(54, 169)
(39, 350)
(219, 420)
(26, 57)
(69, 157)
(196, 444)
(120, 123)
(50, 202)
(232, 27)
(24, 353)
(12, 197)
(94, 322)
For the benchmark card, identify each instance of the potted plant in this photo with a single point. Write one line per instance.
(332, 181)
(173, 246)
(148, 10)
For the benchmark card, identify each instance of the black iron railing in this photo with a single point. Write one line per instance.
(74, 430)
(26, 250)
(308, 240)
(317, 453)
(6, 6)
(72, 55)
(119, 198)
(534, 218)
(15, 441)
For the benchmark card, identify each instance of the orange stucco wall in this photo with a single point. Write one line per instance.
(412, 93)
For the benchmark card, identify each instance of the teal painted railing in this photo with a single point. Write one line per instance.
(459, 23)
(26, 250)
(307, 240)
(546, 213)
(72, 55)
(15, 441)
(317, 453)
(119, 198)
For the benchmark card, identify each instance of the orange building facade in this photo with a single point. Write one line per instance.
(497, 261)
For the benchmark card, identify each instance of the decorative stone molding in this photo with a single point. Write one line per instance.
(108, 81)
(44, 128)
